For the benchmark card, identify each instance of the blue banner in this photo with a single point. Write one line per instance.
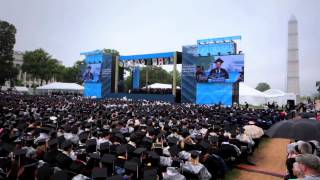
(136, 78)
(214, 93)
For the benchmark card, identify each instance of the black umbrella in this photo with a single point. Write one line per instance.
(302, 129)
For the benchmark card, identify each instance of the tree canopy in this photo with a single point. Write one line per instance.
(7, 41)
(156, 74)
(262, 86)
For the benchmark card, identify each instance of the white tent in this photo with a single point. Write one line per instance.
(278, 96)
(21, 89)
(160, 86)
(61, 87)
(251, 95)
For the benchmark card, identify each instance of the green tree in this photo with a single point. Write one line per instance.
(51, 68)
(40, 65)
(155, 75)
(263, 86)
(35, 62)
(7, 41)
(318, 86)
(178, 77)
(111, 51)
(71, 74)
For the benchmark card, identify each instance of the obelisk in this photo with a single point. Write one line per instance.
(293, 83)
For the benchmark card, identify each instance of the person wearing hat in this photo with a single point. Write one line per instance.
(193, 168)
(172, 173)
(88, 75)
(219, 72)
(308, 166)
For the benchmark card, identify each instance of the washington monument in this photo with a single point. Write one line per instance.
(293, 79)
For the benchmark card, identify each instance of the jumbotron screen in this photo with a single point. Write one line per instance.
(228, 68)
(92, 73)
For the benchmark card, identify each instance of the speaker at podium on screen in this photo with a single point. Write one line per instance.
(218, 73)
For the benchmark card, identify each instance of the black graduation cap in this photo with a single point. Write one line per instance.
(139, 151)
(132, 166)
(77, 167)
(174, 150)
(104, 146)
(153, 155)
(27, 138)
(60, 175)
(108, 158)
(91, 145)
(44, 172)
(83, 136)
(41, 142)
(150, 174)
(194, 153)
(66, 144)
(115, 178)
(52, 142)
(172, 140)
(213, 139)
(99, 173)
(205, 145)
(218, 60)
(119, 135)
(20, 152)
(147, 140)
(5, 147)
(63, 159)
(160, 134)
(121, 149)
(94, 156)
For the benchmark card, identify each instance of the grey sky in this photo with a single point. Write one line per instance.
(65, 28)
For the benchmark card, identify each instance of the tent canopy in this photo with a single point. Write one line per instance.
(274, 92)
(255, 97)
(251, 95)
(61, 86)
(21, 89)
(160, 86)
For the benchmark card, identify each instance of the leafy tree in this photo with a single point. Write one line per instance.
(263, 86)
(178, 77)
(35, 63)
(70, 74)
(155, 75)
(318, 86)
(7, 41)
(111, 51)
(51, 68)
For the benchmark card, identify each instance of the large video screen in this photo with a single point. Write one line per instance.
(92, 73)
(228, 68)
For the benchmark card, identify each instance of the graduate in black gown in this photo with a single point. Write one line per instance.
(219, 72)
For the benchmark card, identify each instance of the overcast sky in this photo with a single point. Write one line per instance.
(65, 28)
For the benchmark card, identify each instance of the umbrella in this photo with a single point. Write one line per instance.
(253, 131)
(302, 129)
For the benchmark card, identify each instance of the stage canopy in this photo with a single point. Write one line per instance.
(160, 86)
(278, 96)
(59, 86)
(251, 95)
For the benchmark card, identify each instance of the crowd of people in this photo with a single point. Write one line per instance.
(70, 137)
(303, 160)
(151, 91)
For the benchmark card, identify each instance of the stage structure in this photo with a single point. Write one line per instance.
(97, 73)
(211, 72)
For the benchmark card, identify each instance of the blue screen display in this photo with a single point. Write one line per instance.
(220, 68)
(92, 73)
